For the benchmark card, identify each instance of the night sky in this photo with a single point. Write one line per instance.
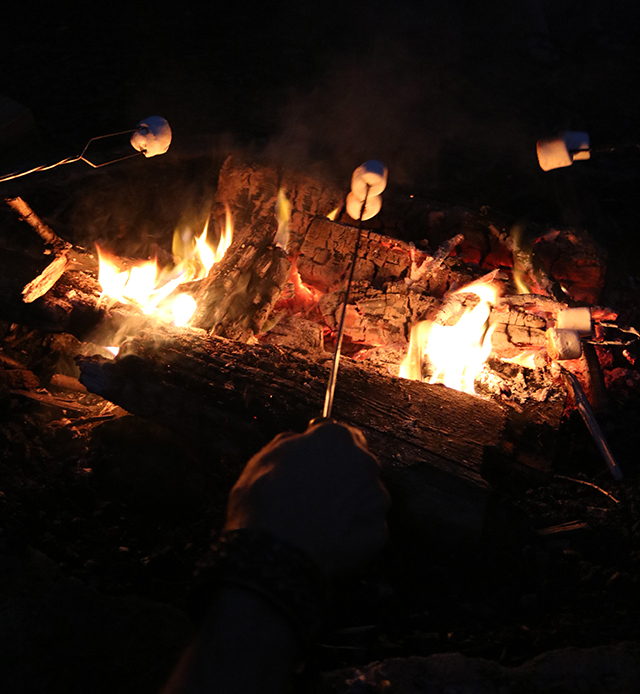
(451, 95)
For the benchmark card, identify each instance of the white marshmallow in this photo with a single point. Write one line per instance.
(373, 174)
(152, 136)
(557, 152)
(371, 208)
(578, 319)
(563, 344)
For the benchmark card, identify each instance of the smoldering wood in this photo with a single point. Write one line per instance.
(250, 189)
(576, 261)
(536, 302)
(420, 274)
(237, 298)
(235, 397)
(323, 247)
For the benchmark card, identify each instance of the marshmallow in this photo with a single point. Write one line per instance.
(152, 136)
(371, 208)
(578, 319)
(556, 152)
(373, 174)
(563, 344)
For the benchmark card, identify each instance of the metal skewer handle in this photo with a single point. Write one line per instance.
(331, 386)
(367, 182)
(150, 137)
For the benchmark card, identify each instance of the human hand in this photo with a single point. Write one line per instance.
(320, 491)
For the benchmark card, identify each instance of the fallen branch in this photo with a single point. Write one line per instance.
(588, 484)
(66, 255)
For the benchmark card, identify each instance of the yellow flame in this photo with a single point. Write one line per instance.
(333, 214)
(411, 367)
(182, 308)
(226, 237)
(283, 215)
(147, 286)
(207, 256)
(521, 253)
(519, 280)
(194, 257)
(456, 353)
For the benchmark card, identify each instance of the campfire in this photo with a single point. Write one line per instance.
(154, 289)
(463, 359)
(480, 336)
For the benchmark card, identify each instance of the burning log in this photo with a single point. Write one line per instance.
(232, 396)
(237, 298)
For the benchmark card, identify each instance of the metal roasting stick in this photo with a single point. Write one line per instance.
(71, 160)
(331, 386)
(592, 424)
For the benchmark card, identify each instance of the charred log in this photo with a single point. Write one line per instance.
(237, 298)
(430, 440)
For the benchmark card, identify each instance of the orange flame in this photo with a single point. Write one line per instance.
(147, 286)
(333, 214)
(456, 353)
(283, 215)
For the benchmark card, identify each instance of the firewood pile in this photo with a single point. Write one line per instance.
(254, 360)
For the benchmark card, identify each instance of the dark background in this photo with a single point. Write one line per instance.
(451, 95)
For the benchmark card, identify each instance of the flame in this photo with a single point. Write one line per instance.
(194, 257)
(411, 367)
(521, 251)
(182, 308)
(457, 352)
(283, 215)
(226, 237)
(333, 214)
(147, 286)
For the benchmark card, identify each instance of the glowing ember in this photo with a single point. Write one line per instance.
(149, 287)
(304, 296)
(456, 353)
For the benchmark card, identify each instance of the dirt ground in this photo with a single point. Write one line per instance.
(103, 515)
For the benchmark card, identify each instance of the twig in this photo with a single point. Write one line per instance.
(419, 276)
(31, 218)
(589, 484)
(65, 255)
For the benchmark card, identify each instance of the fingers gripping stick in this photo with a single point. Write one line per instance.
(320, 491)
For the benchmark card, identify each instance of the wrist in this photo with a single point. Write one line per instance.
(279, 573)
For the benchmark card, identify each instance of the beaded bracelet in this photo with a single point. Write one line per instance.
(272, 568)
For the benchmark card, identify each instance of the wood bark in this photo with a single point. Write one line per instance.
(237, 298)
(430, 440)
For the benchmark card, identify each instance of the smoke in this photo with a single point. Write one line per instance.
(404, 97)
(134, 209)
